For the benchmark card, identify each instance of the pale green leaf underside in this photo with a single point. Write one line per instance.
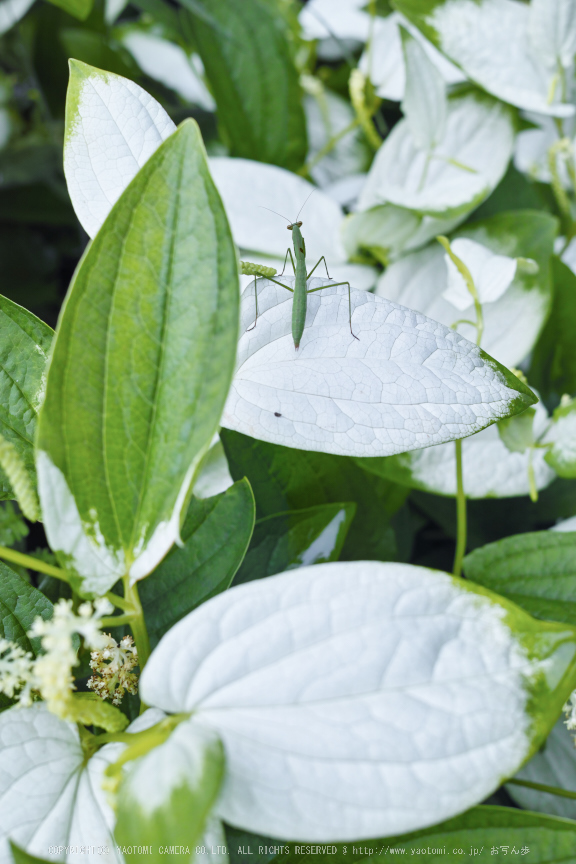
(140, 370)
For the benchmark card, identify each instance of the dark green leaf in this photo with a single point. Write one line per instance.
(141, 366)
(12, 525)
(296, 539)
(24, 345)
(514, 192)
(536, 570)
(553, 366)
(77, 8)
(286, 479)
(20, 604)
(20, 855)
(216, 534)
(253, 78)
(479, 835)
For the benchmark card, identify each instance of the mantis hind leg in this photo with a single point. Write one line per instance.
(325, 265)
(288, 252)
(333, 285)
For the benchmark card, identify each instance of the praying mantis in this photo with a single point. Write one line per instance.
(300, 289)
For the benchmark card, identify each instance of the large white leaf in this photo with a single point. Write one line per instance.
(167, 62)
(49, 794)
(424, 104)
(360, 699)
(489, 40)
(327, 115)
(479, 137)
(554, 765)
(511, 324)
(384, 63)
(490, 470)
(552, 31)
(340, 19)
(405, 382)
(112, 128)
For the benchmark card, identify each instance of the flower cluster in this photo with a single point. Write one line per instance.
(113, 665)
(50, 674)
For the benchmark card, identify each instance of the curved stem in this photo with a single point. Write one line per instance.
(541, 787)
(137, 623)
(460, 512)
(32, 563)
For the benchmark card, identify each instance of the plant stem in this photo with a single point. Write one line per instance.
(460, 512)
(119, 602)
(137, 623)
(541, 787)
(117, 620)
(32, 563)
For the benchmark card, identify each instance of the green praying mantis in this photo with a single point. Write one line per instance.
(300, 289)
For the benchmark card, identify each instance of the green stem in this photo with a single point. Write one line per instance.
(117, 620)
(119, 602)
(32, 563)
(137, 623)
(460, 512)
(532, 478)
(541, 787)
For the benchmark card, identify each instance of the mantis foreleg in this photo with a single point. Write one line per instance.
(333, 285)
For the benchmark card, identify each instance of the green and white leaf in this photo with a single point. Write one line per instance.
(462, 170)
(424, 105)
(166, 796)
(167, 62)
(116, 458)
(24, 346)
(490, 469)
(317, 679)
(492, 274)
(11, 11)
(384, 63)
(513, 322)
(562, 436)
(491, 42)
(553, 765)
(112, 128)
(552, 32)
(398, 386)
(335, 20)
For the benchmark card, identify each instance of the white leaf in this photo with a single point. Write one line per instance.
(565, 525)
(384, 63)
(424, 105)
(489, 40)
(554, 765)
(168, 63)
(12, 11)
(213, 475)
(492, 274)
(353, 700)
(552, 31)
(112, 128)
(406, 382)
(340, 19)
(490, 470)
(562, 436)
(327, 115)
(479, 138)
(511, 324)
(533, 145)
(49, 794)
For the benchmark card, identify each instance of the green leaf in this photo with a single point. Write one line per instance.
(471, 836)
(91, 710)
(24, 346)
(253, 79)
(216, 534)
(166, 796)
(12, 526)
(295, 539)
(20, 604)
(142, 362)
(553, 366)
(286, 479)
(77, 8)
(536, 570)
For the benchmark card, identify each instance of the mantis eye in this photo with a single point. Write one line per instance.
(299, 224)
(289, 227)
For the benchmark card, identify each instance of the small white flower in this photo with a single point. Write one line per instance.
(113, 665)
(492, 274)
(15, 669)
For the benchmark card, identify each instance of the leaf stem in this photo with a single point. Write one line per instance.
(32, 563)
(460, 512)
(117, 620)
(541, 787)
(137, 623)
